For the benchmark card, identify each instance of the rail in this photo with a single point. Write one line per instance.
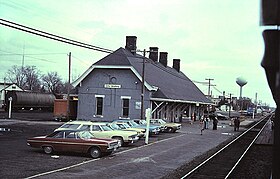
(227, 146)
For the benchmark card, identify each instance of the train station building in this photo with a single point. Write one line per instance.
(112, 87)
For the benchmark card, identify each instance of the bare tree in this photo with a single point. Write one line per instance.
(25, 77)
(33, 82)
(53, 82)
(16, 75)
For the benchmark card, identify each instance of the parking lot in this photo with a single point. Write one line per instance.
(19, 161)
(165, 153)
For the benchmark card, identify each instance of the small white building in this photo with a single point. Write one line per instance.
(4, 87)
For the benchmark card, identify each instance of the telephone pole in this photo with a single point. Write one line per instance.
(209, 84)
(143, 85)
(143, 81)
(68, 88)
(229, 105)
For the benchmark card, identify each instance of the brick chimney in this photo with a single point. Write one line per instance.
(163, 58)
(176, 64)
(131, 44)
(153, 54)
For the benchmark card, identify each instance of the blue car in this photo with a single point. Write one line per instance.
(152, 129)
(250, 111)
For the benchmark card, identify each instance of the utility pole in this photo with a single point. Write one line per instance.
(143, 81)
(68, 89)
(209, 95)
(209, 84)
(229, 105)
(143, 85)
(23, 52)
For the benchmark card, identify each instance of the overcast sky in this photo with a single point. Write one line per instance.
(219, 39)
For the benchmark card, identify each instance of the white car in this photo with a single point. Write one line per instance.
(101, 130)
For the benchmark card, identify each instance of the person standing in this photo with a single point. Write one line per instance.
(215, 123)
(236, 124)
(206, 120)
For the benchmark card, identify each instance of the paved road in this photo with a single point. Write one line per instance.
(164, 154)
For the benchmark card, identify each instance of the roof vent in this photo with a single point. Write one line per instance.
(176, 64)
(153, 54)
(163, 58)
(131, 44)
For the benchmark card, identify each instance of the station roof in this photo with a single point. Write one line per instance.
(166, 83)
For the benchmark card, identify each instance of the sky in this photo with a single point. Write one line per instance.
(220, 39)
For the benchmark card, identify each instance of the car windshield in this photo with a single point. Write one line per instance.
(126, 125)
(143, 122)
(70, 126)
(56, 134)
(161, 121)
(121, 126)
(106, 128)
(85, 135)
(133, 124)
(115, 126)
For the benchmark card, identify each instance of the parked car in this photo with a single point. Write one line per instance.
(121, 125)
(101, 130)
(144, 123)
(167, 126)
(152, 129)
(74, 141)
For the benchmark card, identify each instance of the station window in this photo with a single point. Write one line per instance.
(125, 108)
(99, 106)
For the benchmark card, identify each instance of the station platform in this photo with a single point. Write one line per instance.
(266, 136)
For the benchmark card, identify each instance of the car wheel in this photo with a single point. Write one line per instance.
(119, 139)
(95, 152)
(169, 129)
(48, 149)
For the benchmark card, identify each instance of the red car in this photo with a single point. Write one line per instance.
(74, 141)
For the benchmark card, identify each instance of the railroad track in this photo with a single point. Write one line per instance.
(222, 163)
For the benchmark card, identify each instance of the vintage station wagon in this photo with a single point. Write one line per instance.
(101, 130)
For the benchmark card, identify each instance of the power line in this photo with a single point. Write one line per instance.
(80, 60)
(217, 90)
(12, 53)
(52, 36)
(66, 40)
(29, 55)
(200, 82)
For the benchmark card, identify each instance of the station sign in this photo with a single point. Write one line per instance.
(112, 86)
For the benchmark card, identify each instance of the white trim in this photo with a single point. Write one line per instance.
(85, 74)
(98, 116)
(124, 117)
(125, 97)
(179, 101)
(99, 96)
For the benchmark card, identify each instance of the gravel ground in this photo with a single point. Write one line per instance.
(257, 163)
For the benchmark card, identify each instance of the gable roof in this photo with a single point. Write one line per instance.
(12, 87)
(167, 83)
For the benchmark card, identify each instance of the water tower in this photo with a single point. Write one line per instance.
(241, 82)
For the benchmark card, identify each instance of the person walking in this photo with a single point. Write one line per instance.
(203, 124)
(236, 124)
